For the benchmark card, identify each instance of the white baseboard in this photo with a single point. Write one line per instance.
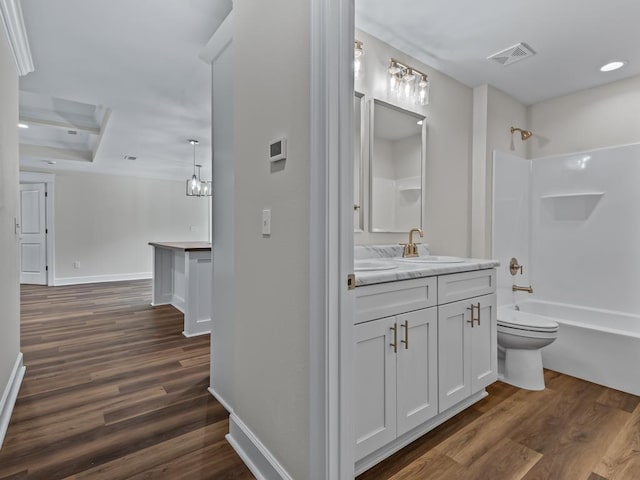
(118, 277)
(10, 395)
(253, 453)
(220, 399)
(189, 335)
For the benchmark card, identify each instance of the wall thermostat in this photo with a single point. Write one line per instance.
(278, 149)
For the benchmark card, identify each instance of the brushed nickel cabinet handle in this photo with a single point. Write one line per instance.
(473, 319)
(395, 338)
(406, 335)
(478, 307)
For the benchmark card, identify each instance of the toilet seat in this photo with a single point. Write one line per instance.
(514, 320)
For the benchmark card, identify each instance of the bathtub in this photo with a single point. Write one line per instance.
(600, 346)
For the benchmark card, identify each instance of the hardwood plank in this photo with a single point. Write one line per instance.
(416, 450)
(113, 390)
(506, 459)
(126, 466)
(622, 459)
(431, 465)
(559, 433)
(476, 439)
(595, 476)
(617, 399)
(575, 449)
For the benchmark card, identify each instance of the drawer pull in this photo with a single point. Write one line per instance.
(395, 338)
(406, 335)
(473, 318)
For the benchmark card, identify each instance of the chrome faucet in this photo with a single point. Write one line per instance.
(411, 249)
(516, 288)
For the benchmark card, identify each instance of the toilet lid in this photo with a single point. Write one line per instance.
(526, 321)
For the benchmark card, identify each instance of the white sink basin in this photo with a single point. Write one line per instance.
(431, 259)
(372, 265)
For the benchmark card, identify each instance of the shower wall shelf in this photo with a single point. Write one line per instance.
(409, 183)
(573, 195)
(572, 206)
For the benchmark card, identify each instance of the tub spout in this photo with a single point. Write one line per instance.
(516, 288)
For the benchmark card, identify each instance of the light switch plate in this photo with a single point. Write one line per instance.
(266, 221)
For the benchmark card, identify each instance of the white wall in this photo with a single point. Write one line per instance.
(512, 221)
(9, 253)
(598, 117)
(585, 246)
(446, 216)
(494, 112)
(271, 325)
(106, 222)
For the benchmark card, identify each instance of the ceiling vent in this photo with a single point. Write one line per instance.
(512, 54)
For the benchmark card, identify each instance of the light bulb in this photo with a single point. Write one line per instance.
(394, 69)
(423, 94)
(393, 83)
(408, 84)
(194, 182)
(356, 67)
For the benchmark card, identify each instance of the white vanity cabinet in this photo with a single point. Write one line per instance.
(418, 358)
(395, 361)
(467, 335)
(396, 377)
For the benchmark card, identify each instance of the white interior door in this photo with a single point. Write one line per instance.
(33, 234)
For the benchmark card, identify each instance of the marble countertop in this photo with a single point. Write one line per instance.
(185, 246)
(405, 270)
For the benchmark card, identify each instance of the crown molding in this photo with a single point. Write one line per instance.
(13, 22)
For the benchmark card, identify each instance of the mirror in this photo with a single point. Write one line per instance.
(358, 197)
(397, 153)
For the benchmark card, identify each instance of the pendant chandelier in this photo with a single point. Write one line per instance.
(196, 187)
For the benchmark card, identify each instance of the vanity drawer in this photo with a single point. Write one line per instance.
(387, 299)
(458, 286)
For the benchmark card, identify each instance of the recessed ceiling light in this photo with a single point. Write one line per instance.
(23, 125)
(610, 67)
(72, 132)
(419, 122)
(51, 162)
(130, 157)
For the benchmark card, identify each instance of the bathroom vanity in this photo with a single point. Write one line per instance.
(425, 347)
(182, 277)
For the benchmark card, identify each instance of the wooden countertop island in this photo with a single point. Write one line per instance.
(182, 273)
(185, 246)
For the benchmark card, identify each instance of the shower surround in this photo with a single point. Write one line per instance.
(573, 222)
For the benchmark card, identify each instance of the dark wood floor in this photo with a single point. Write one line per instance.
(573, 430)
(113, 391)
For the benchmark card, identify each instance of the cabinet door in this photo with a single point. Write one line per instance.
(484, 346)
(375, 382)
(417, 368)
(454, 352)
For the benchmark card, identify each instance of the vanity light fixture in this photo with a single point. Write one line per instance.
(611, 66)
(358, 51)
(413, 84)
(195, 186)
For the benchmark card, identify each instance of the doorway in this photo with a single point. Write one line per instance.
(37, 235)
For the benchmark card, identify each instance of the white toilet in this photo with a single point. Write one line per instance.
(521, 335)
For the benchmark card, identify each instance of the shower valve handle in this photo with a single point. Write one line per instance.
(515, 267)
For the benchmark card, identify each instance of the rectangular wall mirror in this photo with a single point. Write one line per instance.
(358, 192)
(396, 156)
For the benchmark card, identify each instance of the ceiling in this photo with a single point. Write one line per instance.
(572, 40)
(118, 78)
(125, 76)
